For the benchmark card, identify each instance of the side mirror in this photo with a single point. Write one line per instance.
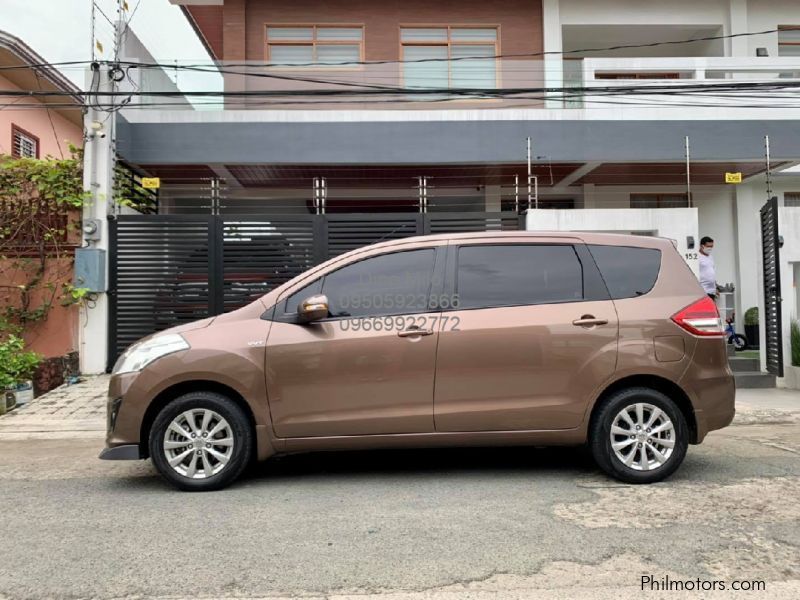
(313, 308)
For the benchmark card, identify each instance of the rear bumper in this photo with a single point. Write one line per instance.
(711, 387)
(125, 452)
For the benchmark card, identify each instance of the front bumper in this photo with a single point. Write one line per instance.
(120, 445)
(125, 452)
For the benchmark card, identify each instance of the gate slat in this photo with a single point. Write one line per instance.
(773, 328)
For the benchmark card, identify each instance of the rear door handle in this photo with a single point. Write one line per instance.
(589, 321)
(414, 331)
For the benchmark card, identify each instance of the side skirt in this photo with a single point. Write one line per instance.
(561, 437)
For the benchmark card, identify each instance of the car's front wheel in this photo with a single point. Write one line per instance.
(201, 441)
(639, 435)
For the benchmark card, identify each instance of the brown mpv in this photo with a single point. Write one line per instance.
(463, 339)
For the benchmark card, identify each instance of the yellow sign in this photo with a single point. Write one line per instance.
(733, 178)
(151, 183)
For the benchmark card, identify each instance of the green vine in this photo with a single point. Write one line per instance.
(40, 202)
(59, 181)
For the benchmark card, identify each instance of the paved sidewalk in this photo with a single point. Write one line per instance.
(69, 411)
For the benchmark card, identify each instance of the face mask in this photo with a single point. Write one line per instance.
(707, 250)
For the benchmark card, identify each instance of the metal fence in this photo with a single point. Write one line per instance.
(170, 269)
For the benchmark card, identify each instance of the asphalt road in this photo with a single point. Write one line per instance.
(484, 523)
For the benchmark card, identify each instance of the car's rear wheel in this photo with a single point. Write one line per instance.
(639, 435)
(201, 441)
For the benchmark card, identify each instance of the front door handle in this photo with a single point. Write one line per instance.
(589, 321)
(414, 331)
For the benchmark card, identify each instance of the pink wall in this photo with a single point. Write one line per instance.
(57, 335)
(36, 121)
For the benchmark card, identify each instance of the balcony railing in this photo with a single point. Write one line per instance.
(589, 83)
(747, 82)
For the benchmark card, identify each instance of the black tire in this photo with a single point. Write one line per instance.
(241, 432)
(740, 342)
(600, 435)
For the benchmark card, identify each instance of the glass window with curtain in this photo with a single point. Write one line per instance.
(659, 200)
(789, 40)
(449, 57)
(791, 199)
(318, 45)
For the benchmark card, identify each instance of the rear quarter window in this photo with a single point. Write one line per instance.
(628, 271)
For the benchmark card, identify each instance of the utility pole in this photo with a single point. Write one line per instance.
(99, 158)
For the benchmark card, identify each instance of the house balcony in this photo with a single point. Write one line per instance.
(696, 87)
(475, 89)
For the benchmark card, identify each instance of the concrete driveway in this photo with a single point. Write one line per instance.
(477, 523)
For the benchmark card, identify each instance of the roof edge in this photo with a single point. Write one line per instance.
(198, 32)
(37, 63)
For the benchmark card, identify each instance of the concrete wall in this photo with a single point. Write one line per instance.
(134, 50)
(638, 12)
(242, 137)
(763, 15)
(674, 223)
(715, 210)
(734, 16)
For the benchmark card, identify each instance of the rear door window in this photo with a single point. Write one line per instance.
(628, 271)
(517, 274)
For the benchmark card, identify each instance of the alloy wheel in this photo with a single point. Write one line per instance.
(198, 443)
(642, 436)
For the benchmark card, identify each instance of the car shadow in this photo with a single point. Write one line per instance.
(437, 461)
(565, 463)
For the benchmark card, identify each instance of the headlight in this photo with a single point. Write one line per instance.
(141, 354)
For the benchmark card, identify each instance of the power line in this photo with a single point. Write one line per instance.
(518, 102)
(450, 59)
(640, 89)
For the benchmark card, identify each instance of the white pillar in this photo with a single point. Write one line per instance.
(552, 63)
(98, 177)
(737, 23)
(748, 198)
(492, 197)
(589, 197)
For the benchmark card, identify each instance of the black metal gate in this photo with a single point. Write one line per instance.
(772, 321)
(170, 269)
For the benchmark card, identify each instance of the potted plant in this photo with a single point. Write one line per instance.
(792, 372)
(751, 326)
(16, 369)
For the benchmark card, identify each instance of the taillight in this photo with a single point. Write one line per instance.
(700, 318)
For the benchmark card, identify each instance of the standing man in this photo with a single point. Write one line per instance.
(708, 275)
